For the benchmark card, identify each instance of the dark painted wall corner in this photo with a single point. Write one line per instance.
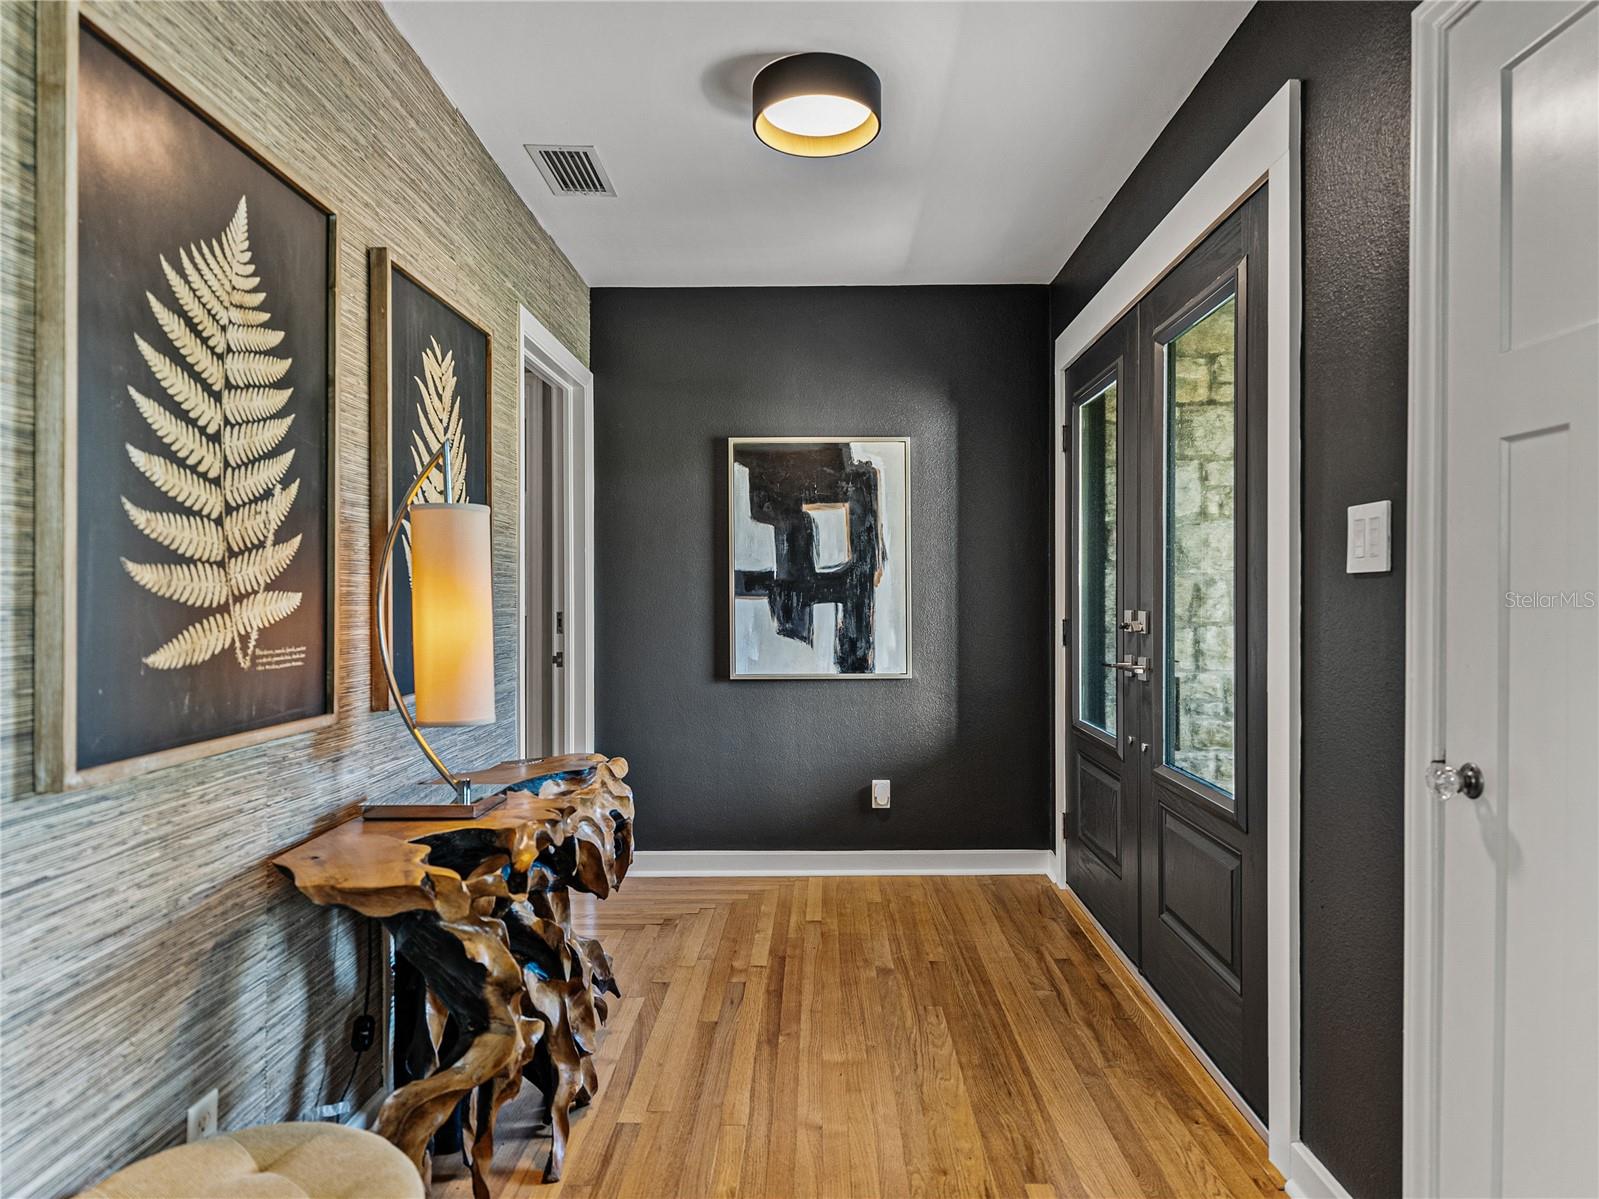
(1354, 61)
(963, 372)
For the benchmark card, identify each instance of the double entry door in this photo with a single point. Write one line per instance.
(1165, 836)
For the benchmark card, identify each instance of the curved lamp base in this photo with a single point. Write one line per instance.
(466, 805)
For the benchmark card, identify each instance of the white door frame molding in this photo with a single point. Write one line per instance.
(1424, 578)
(1423, 593)
(1267, 151)
(573, 556)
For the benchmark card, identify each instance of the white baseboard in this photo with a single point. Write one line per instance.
(732, 863)
(366, 1116)
(1308, 1178)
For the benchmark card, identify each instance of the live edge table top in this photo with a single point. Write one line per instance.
(380, 867)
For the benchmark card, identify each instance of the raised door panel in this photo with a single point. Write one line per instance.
(1099, 807)
(1195, 953)
(1201, 895)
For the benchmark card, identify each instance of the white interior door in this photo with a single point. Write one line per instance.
(1518, 1064)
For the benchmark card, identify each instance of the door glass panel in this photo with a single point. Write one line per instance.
(1096, 559)
(1201, 579)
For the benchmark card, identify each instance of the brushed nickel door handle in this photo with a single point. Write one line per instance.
(1137, 667)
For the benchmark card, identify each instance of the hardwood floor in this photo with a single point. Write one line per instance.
(840, 1037)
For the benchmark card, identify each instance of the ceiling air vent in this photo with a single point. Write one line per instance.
(572, 170)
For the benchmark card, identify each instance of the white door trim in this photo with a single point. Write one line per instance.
(1267, 150)
(573, 708)
(1309, 1179)
(1424, 544)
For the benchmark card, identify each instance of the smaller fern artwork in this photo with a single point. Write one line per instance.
(216, 456)
(438, 420)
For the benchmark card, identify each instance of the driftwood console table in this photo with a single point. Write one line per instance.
(481, 910)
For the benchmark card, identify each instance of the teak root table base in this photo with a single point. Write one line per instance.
(481, 909)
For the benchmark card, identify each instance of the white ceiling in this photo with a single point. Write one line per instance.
(1007, 127)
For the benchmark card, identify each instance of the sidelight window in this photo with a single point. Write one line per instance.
(1201, 577)
(1096, 540)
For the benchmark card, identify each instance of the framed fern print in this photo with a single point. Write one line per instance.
(195, 302)
(431, 373)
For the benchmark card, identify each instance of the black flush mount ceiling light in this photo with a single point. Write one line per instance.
(817, 105)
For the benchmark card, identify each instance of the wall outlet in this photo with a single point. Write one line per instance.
(203, 1116)
(879, 793)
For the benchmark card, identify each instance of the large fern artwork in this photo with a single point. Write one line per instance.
(438, 419)
(220, 427)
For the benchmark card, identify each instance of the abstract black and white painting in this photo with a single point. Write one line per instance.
(819, 537)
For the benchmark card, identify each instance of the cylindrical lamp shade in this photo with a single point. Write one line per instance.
(817, 105)
(452, 614)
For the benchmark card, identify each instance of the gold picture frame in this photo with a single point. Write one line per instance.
(57, 760)
(382, 268)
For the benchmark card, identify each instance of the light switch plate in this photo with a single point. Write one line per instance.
(1370, 538)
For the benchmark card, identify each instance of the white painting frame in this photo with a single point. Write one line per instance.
(896, 569)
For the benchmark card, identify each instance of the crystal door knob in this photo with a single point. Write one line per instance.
(1445, 780)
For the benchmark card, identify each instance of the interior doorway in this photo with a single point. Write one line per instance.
(555, 546)
(543, 618)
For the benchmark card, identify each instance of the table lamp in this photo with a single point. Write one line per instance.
(452, 633)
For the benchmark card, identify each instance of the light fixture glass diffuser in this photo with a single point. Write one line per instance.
(817, 116)
(452, 614)
(817, 105)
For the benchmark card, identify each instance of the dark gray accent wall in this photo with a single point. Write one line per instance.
(1354, 60)
(961, 371)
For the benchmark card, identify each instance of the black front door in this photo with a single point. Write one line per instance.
(1183, 768)
(1103, 767)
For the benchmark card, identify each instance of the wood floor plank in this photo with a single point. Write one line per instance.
(709, 1066)
(783, 1131)
(1035, 1082)
(957, 1139)
(728, 1168)
(762, 1093)
(876, 1037)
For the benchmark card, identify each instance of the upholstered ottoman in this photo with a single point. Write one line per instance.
(274, 1161)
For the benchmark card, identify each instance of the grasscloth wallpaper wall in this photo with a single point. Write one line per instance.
(150, 952)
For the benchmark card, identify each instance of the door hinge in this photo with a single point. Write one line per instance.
(1065, 439)
(560, 623)
(559, 658)
(1066, 631)
(1064, 828)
